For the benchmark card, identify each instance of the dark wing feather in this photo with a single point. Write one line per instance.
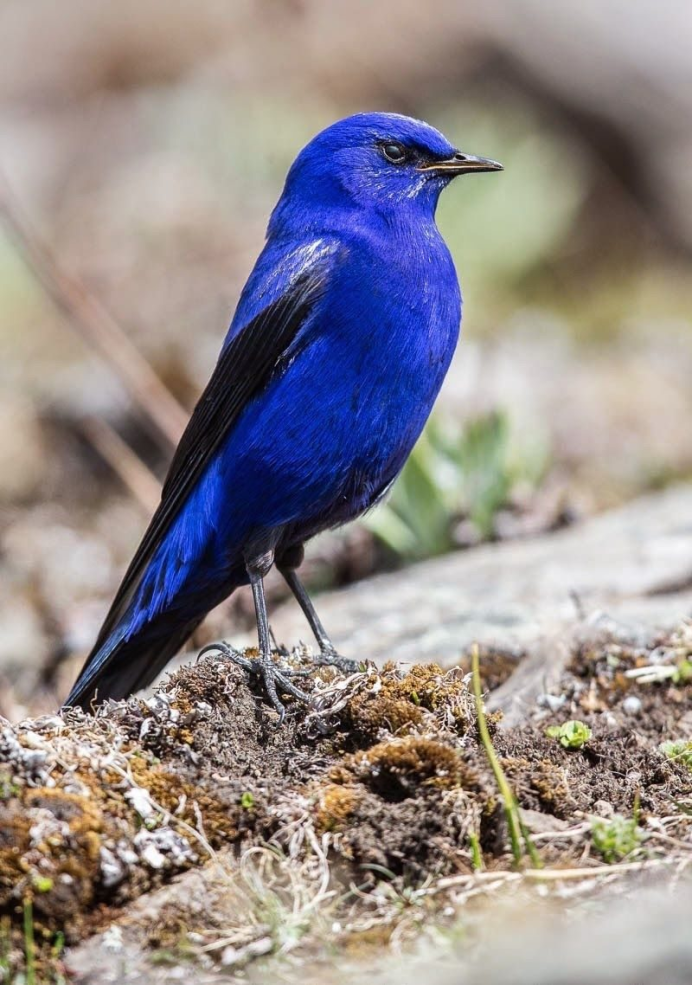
(244, 368)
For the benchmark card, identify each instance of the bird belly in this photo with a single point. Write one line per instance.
(324, 442)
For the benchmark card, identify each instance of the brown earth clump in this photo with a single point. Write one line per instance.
(384, 772)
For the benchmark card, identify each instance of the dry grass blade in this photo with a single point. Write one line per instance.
(95, 325)
(130, 469)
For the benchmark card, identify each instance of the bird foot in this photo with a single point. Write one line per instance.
(328, 657)
(276, 680)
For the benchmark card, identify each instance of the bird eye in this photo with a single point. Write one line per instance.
(394, 152)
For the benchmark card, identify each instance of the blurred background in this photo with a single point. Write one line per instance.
(142, 146)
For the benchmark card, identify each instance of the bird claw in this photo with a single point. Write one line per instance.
(270, 674)
(328, 657)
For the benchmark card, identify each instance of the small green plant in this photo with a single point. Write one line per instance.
(469, 474)
(8, 787)
(679, 751)
(247, 801)
(684, 672)
(56, 957)
(173, 956)
(416, 519)
(486, 474)
(42, 884)
(476, 853)
(570, 735)
(617, 837)
(58, 946)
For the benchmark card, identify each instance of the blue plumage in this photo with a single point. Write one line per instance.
(338, 348)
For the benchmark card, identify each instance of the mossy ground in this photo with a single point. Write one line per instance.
(378, 791)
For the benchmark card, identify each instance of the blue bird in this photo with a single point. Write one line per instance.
(339, 345)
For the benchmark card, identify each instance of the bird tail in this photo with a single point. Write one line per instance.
(121, 665)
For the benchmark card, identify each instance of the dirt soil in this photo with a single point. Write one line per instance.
(383, 782)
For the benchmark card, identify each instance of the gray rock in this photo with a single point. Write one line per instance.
(632, 705)
(633, 564)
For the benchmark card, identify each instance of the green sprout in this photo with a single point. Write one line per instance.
(42, 884)
(684, 672)
(678, 750)
(476, 853)
(8, 787)
(617, 837)
(571, 735)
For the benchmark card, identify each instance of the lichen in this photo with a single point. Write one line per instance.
(397, 702)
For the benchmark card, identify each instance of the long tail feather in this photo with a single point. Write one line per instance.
(121, 666)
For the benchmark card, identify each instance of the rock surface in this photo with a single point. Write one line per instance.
(633, 564)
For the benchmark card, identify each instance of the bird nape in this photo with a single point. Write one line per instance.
(337, 350)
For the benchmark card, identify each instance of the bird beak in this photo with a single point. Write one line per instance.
(461, 164)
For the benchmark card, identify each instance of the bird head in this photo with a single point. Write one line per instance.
(377, 161)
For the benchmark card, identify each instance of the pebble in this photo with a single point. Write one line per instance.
(553, 702)
(632, 705)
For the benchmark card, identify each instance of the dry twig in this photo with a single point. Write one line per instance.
(95, 325)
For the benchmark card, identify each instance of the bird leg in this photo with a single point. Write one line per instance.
(275, 680)
(288, 564)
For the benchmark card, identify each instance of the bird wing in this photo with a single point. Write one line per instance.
(245, 367)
